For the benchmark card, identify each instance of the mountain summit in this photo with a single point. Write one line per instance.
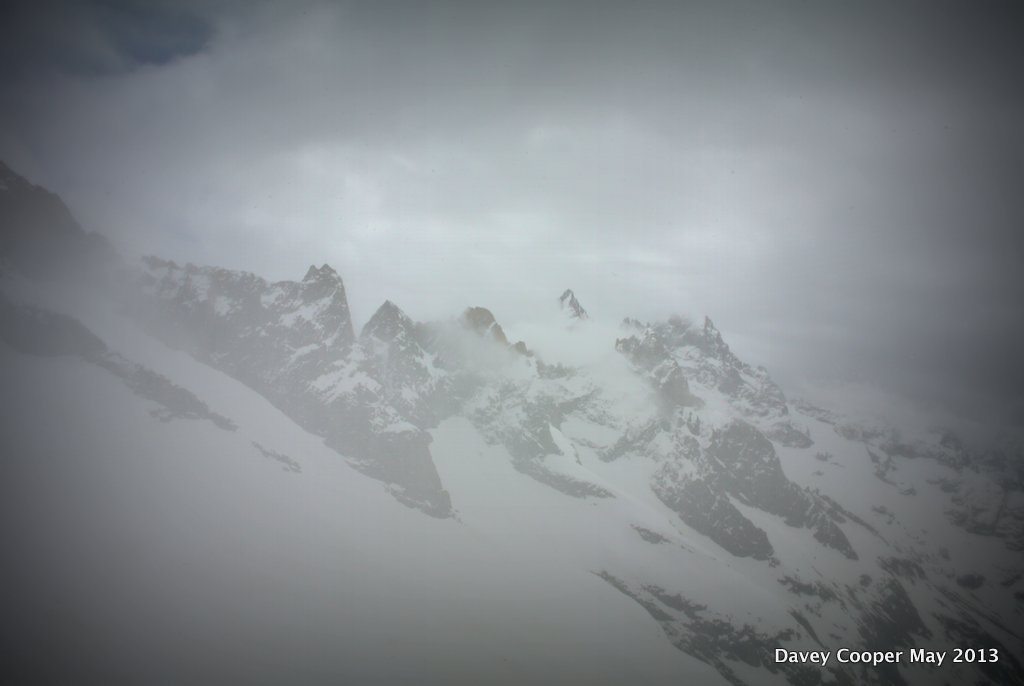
(569, 304)
(242, 430)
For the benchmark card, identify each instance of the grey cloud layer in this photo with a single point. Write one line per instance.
(834, 185)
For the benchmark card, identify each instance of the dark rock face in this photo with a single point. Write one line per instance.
(902, 567)
(753, 474)
(701, 355)
(390, 324)
(287, 463)
(34, 331)
(27, 210)
(709, 511)
(529, 440)
(964, 630)
(646, 351)
(706, 357)
(892, 622)
(480, 320)
(650, 536)
(666, 377)
(568, 302)
(39, 236)
(391, 352)
(634, 441)
(403, 462)
(983, 484)
(740, 462)
(971, 581)
(695, 629)
(294, 343)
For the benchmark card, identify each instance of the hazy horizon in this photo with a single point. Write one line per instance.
(833, 185)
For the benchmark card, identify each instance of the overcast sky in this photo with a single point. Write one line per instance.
(838, 185)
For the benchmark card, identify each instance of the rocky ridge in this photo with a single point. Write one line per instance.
(743, 477)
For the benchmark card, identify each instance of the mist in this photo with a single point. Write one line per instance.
(289, 393)
(831, 184)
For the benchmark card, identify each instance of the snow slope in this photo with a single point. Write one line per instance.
(213, 478)
(179, 551)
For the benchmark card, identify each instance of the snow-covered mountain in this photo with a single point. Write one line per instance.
(217, 475)
(571, 306)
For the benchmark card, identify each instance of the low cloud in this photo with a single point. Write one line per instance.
(833, 185)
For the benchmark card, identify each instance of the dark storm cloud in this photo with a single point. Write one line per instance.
(95, 38)
(836, 184)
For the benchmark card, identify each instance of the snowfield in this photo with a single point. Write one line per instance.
(210, 478)
(175, 551)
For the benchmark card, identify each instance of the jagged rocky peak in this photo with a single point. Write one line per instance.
(647, 350)
(388, 323)
(241, 306)
(711, 332)
(323, 282)
(714, 343)
(520, 347)
(569, 304)
(324, 272)
(649, 353)
(481, 320)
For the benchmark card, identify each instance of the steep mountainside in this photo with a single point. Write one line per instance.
(679, 480)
